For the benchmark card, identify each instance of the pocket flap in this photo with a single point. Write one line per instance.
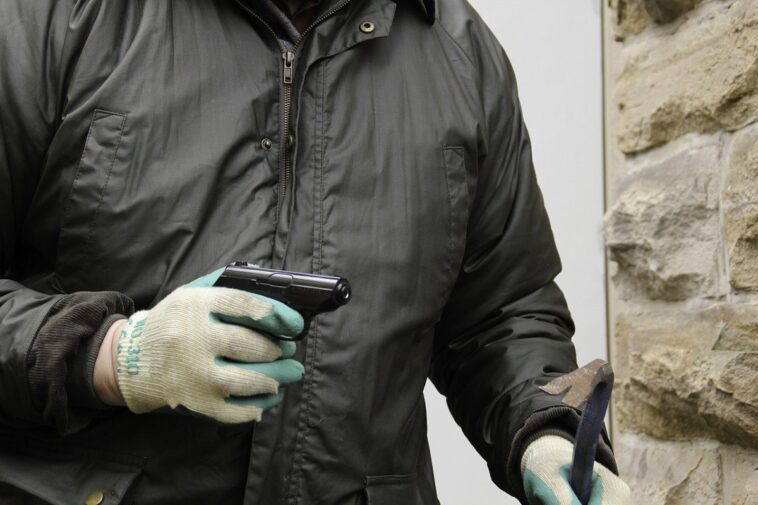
(60, 478)
(391, 489)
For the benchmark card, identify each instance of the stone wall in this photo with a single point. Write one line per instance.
(682, 240)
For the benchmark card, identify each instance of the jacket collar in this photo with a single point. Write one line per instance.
(429, 7)
(333, 36)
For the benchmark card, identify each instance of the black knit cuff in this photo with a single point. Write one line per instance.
(561, 421)
(80, 385)
(62, 356)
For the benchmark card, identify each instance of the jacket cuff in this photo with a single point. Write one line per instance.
(80, 385)
(62, 357)
(562, 421)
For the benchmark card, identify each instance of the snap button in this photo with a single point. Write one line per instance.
(94, 498)
(290, 140)
(367, 27)
(267, 143)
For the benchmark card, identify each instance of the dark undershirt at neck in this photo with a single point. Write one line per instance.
(301, 12)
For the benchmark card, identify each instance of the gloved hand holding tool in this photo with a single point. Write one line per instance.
(557, 472)
(205, 349)
(545, 467)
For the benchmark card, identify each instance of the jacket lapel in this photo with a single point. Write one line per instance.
(430, 9)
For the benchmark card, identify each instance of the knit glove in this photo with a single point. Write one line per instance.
(545, 467)
(203, 348)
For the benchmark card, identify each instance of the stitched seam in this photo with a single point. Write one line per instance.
(67, 207)
(455, 42)
(295, 491)
(389, 479)
(109, 112)
(309, 402)
(105, 185)
(474, 69)
(318, 192)
(323, 157)
(451, 213)
(296, 494)
(59, 106)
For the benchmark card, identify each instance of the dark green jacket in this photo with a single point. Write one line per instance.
(135, 157)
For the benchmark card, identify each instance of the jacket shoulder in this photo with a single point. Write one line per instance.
(39, 28)
(52, 17)
(466, 28)
(494, 81)
(24, 11)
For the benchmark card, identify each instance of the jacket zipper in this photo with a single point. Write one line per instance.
(288, 70)
(288, 73)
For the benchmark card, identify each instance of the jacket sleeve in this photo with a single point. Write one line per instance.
(47, 341)
(506, 328)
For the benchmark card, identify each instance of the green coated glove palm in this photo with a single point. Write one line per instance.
(205, 349)
(545, 467)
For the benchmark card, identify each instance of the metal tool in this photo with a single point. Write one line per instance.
(589, 390)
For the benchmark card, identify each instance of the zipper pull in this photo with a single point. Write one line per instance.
(289, 58)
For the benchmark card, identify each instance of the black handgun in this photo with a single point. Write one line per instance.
(309, 294)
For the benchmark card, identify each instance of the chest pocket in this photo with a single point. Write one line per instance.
(454, 159)
(391, 490)
(88, 194)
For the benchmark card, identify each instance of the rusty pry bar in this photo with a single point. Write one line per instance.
(589, 390)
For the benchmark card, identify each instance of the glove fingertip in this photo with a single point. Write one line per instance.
(283, 320)
(283, 371)
(288, 348)
(263, 402)
(291, 371)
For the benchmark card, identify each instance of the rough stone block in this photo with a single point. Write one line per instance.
(738, 329)
(678, 386)
(633, 16)
(699, 76)
(663, 231)
(661, 473)
(741, 210)
(664, 11)
(675, 473)
(744, 486)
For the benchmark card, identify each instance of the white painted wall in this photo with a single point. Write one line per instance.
(555, 48)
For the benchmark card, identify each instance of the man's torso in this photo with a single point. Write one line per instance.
(171, 160)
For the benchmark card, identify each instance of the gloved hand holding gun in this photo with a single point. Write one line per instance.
(219, 352)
